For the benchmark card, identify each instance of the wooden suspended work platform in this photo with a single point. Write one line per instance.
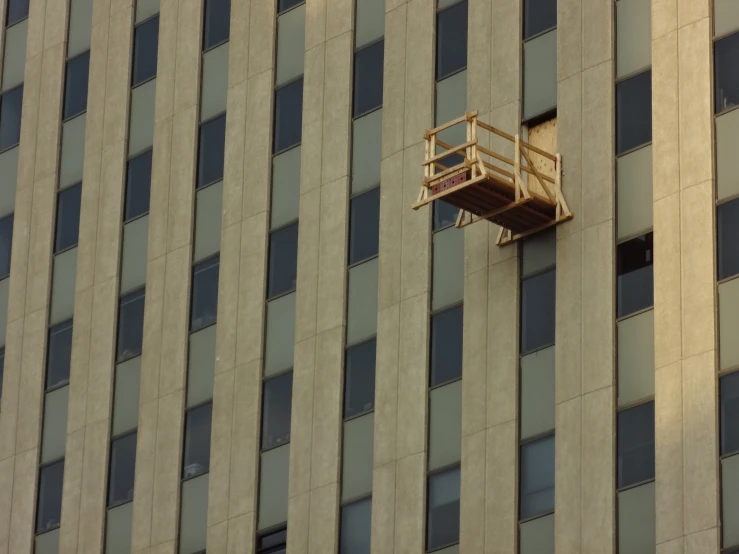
(520, 196)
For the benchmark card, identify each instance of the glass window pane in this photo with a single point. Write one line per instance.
(633, 112)
(356, 528)
(727, 162)
(141, 123)
(273, 477)
(446, 346)
(275, 539)
(8, 180)
(204, 309)
(145, 42)
(54, 438)
(276, 410)
(730, 500)
(126, 399)
(369, 21)
(634, 36)
(726, 52)
(537, 477)
(196, 457)
(359, 378)
(68, 218)
(75, 85)
(290, 45)
(537, 536)
(635, 358)
(138, 185)
(285, 187)
(118, 529)
(6, 245)
(63, 286)
(49, 508)
(48, 543)
(538, 16)
(362, 302)
(283, 260)
(443, 509)
(540, 75)
(451, 40)
(729, 393)
(636, 445)
(145, 9)
(211, 151)
(73, 151)
(357, 460)
(448, 268)
(201, 366)
(444, 214)
(122, 469)
(283, 5)
(17, 10)
(280, 347)
(3, 309)
(634, 192)
(11, 104)
(59, 354)
(208, 217)
(133, 258)
(217, 22)
(539, 253)
(445, 425)
(451, 102)
(537, 393)
(634, 261)
(288, 116)
(366, 152)
(368, 71)
(215, 82)
(636, 520)
(80, 26)
(364, 226)
(537, 311)
(194, 515)
(14, 63)
(725, 16)
(130, 326)
(2, 371)
(727, 221)
(728, 312)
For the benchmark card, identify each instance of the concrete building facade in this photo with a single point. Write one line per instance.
(224, 329)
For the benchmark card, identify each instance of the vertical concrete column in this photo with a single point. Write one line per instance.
(684, 280)
(315, 444)
(585, 318)
(96, 296)
(234, 461)
(399, 488)
(489, 514)
(30, 276)
(169, 269)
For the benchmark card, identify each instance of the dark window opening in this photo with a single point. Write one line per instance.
(451, 40)
(68, 218)
(122, 470)
(635, 445)
(443, 509)
(538, 298)
(726, 73)
(727, 223)
(59, 355)
(49, 507)
(729, 392)
(138, 186)
(75, 85)
(283, 261)
(272, 543)
(6, 245)
(537, 477)
(130, 326)
(17, 11)
(196, 457)
(288, 116)
(359, 378)
(633, 112)
(217, 22)
(368, 74)
(277, 410)
(364, 226)
(212, 150)
(446, 346)
(11, 108)
(538, 16)
(635, 275)
(204, 310)
(145, 43)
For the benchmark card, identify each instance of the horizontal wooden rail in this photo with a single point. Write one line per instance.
(513, 139)
(449, 152)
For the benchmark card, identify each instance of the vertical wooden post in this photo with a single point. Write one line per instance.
(517, 167)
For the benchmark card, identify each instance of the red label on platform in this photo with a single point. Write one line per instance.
(449, 182)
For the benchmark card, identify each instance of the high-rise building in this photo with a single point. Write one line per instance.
(241, 311)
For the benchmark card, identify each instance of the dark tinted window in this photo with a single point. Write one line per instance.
(444, 214)
(59, 354)
(17, 10)
(68, 218)
(283, 5)
(634, 112)
(196, 458)
(443, 509)
(537, 311)
(727, 222)
(276, 410)
(537, 477)
(204, 310)
(451, 40)
(122, 470)
(49, 509)
(359, 378)
(726, 54)
(138, 185)
(145, 41)
(288, 115)
(368, 78)
(75, 85)
(6, 245)
(538, 16)
(634, 261)
(364, 226)
(211, 151)
(2, 370)
(130, 326)
(729, 386)
(356, 528)
(446, 346)
(283, 260)
(273, 543)
(636, 445)
(11, 104)
(216, 23)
